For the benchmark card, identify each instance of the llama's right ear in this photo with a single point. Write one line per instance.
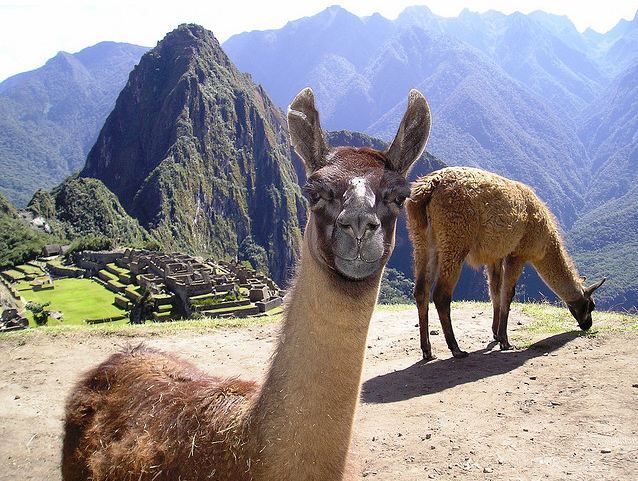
(306, 135)
(409, 143)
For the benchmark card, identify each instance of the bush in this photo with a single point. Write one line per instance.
(253, 253)
(40, 312)
(395, 288)
(151, 245)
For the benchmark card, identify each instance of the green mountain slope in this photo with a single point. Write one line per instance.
(50, 117)
(18, 241)
(605, 244)
(199, 154)
(80, 207)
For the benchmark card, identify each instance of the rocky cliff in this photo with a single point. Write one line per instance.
(199, 155)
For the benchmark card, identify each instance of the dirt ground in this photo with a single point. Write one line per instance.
(564, 408)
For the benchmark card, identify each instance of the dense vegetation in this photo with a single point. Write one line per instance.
(19, 242)
(85, 207)
(213, 168)
(396, 288)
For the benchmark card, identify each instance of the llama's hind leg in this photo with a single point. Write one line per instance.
(494, 276)
(423, 283)
(448, 274)
(512, 269)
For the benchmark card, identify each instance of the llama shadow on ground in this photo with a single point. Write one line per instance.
(423, 378)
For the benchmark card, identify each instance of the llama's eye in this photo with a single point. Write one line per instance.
(400, 200)
(317, 195)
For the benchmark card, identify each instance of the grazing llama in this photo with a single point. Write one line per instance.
(457, 214)
(146, 415)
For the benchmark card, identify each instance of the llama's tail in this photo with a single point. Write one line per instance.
(417, 204)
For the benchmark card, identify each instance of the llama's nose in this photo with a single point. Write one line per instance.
(358, 224)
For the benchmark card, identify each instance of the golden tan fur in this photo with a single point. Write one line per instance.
(464, 214)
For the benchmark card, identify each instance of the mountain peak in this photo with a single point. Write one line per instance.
(198, 154)
(190, 33)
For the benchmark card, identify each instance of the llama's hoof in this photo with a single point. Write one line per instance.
(428, 357)
(506, 346)
(459, 354)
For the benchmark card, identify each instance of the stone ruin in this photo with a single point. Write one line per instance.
(12, 321)
(188, 280)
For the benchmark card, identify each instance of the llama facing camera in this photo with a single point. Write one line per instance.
(147, 415)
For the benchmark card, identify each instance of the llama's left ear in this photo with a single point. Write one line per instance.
(588, 291)
(306, 135)
(412, 136)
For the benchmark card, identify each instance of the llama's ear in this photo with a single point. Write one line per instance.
(306, 135)
(412, 136)
(588, 291)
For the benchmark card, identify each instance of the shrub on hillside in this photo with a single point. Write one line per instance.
(395, 288)
(40, 312)
(252, 252)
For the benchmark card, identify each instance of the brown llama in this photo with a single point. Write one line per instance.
(463, 214)
(146, 415)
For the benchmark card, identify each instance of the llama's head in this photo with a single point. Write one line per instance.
(582, 308)
(355, 194)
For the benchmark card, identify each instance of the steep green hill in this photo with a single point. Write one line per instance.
(80, 207)
(605, 244)
(199, 154)
(50, 117)
(18, 241)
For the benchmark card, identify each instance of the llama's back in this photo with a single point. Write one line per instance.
(473, 212)
(143, 414)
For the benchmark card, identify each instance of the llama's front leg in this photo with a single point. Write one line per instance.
(512, 269)
(446, 280)
(494, 276)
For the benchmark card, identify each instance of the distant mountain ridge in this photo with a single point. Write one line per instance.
(483, 113)
(50, 117)
(527, 96)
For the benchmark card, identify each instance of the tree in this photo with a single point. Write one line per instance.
(40, 312)
(395, 288)
(252, 252)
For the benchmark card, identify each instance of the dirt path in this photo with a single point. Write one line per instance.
(565, 408)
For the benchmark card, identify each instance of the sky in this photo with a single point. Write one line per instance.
(32, 31)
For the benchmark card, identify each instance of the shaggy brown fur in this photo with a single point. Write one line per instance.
(157, 408)
(464, 214)
(148, 416)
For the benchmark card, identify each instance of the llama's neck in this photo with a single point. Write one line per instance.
(558, 271)
(302, 420)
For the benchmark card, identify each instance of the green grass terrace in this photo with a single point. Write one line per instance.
(77, 300)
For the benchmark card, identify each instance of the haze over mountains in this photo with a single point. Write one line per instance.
(50, 117)
(198, 155)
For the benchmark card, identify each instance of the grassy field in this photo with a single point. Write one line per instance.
(77, 299)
